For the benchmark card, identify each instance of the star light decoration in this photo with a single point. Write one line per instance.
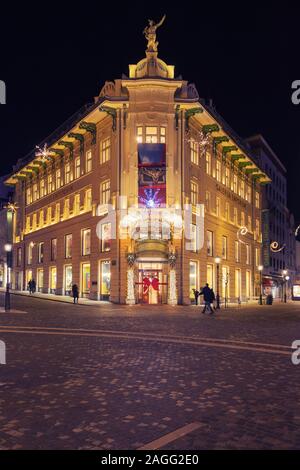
(274, 246)
(12, 207)
(44, 152)
(151, 198)
(201, 139)
(241, 231)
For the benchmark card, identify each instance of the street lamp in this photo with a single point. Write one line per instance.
(284, 273)
(286, 280)
(218, 261)
(8, 249)
(260, 268)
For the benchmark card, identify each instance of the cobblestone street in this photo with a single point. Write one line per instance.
(116, 377)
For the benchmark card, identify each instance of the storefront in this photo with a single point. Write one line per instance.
(40, 280)
(152, 283)
(104, 280)
(68, 276)
(85, 279)
(52, 279)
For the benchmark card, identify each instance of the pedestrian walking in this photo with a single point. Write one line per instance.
(33, 286)
(75, 293)
(213, 298)
(30, 286)
(207, 295)
(196, 295)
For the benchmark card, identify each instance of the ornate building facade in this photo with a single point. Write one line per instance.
(141, 197)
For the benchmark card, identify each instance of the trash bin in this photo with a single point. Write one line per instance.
(269, 299)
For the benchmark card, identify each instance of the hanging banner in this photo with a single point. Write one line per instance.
(152, 175)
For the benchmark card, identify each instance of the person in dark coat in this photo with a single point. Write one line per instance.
(30, 286)
(75, 293)
(196, 295)
(33, 286)
(207, 295)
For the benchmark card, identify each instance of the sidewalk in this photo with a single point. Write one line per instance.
(57, 298)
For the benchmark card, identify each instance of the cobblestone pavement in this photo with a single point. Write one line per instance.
(114, 377)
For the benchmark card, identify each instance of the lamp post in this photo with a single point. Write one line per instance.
(218, 261)
(260, 268)
(285, 283)
(284, 273)
(7, 248)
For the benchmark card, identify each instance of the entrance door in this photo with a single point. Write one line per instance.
(152, 284)
(85, 279)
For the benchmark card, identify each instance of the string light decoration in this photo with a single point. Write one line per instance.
(274, 246)
(241, 232)
(200, 138)
(44, 152)
(297, 231)
(11, 207)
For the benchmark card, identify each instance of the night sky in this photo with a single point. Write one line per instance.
(55, 59)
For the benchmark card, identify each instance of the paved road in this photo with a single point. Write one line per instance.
(111, 377)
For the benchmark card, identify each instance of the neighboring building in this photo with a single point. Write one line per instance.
(147, 147)
(279, 222)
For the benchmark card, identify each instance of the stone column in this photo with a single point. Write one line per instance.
(130, 297)
(172, 292)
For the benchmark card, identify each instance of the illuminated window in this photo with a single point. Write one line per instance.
(50, 184)
(105, 280)
(257, 256)
(86, 242)
(57, 212)
(207, 200)
(28, 223)
(88, 161)
(53, 278)
(193, 278)
(77, 167)
(235, 183)
(35, 193)
(249, 223)
(247, 254)
(208, 163)
(242, 189)
(210, 243)
(248, 193)
(88, 199)
(42, 188)
(86, 278)
(66, 208)
(242, 218)
(67, 173)
(68, 246)
(58, 179)
(30, 253)
(194, 193)
(210, 275)
(227, 177)
(41, 252)
(40, 279)
(105, 192)
(193, 235)
(248, 284)
(68, 275)
(151, 135)
(218, 171)
(34, 221)
(194, 152)
(53, 252)
(77, 204)
(49, 215)
(235, 216)
(238, 283)
(226, 211)
(218, 207)
(42, 220)
(105, 237)
(225, 282)
(105, 150)
(224, 247)
(28, 196)
(257, 230)
(139, 135)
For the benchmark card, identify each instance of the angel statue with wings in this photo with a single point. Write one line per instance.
(150, 34)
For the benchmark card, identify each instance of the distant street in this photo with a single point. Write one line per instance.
(116, 377)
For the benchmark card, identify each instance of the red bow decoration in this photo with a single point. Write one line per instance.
(147, 283)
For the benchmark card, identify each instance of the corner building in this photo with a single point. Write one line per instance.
(148, 144)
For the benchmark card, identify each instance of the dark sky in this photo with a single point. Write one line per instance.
(56, 58)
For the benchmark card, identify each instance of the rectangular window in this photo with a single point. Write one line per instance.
(88, 161)
(207, 201)
(19, 257)
(77, 204)
(28, 196)
(30, 253)
(242, 189)
(242, 218)
(86, 242)
(42, 219)
(247, 254)
(194, 193)
(50, 184)
(227, 177)
(40, 280)
(58, 179)
(86, 278)
(257, 256)
(235, 184)
(248, 284)
(226, 211)
(249, 223)
(139, 135)
(248, 193)
(193, 278)
(53, 278)
(105, 192)
(194, 152)
(106, 237)
(151, 135)
(68, 280)
(67, 173)
(210, 275)
(225, 282)
(67, 208)
(224, 247)
(77, 167)
(105, 280)
(235, 216)
(35, 193)
(208, 162)
(41, 252)
(34, 221)
(105, 147)
(53, 249)
(88, 199)
(210, 243)
(57, 212)
(257, 230)
(218, 170)
(238, 284)
(42, 188)
(68, 246)
(237, 251)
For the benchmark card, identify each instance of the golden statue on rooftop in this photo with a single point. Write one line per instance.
(150, 34)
